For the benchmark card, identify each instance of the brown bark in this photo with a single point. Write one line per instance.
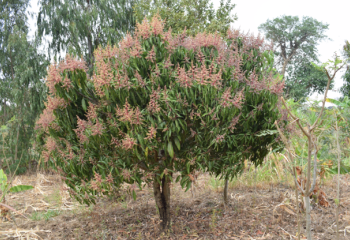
(162, 198)
(284, 67)
(225, 192)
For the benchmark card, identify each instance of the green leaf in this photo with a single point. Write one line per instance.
(338, 103)
(20, 188)
(170, 149)
(134, 194)
(177, 142)
(188, 165)
(266, 132)
(189, 183)
(3, 177)
(146, 152)
(3, 180)
(83, 104)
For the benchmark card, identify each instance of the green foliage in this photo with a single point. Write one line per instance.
(4, 186)
(20, 188)
(22, 90)
(3, 181)
(303, 79)
(83, 25)
(345, 89)
(37, 216)
(167, 103)
(194, 15)
(296, 43)
(327, 155)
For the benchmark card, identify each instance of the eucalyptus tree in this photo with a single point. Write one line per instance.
(346, 77)
(22, 69)
(193, 15)
(80, 26)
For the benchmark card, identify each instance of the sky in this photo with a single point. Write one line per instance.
(252, 13)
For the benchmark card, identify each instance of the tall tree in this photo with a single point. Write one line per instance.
(22, 70)
(346, 77)
(296, 47)
(294, 37)
(194, 15)
(80, 26)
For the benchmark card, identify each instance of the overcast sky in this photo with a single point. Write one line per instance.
(252, 13)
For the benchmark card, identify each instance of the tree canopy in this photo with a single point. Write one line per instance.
(294, 37)
(193, 15)
(346, 77)
(81, 26)
(303, 79)
(157, 104)
(22, 90)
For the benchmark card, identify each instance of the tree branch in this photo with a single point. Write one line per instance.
(314, 175)
(295, 118)
(325, 97)
(286, 143)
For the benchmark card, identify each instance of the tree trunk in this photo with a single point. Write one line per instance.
(162, 198)
(297, 201)
(17, 138)
(284, 67)
(308, 217)
(338, 184)
(225, 192)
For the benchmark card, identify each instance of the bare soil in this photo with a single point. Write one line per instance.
(262, 212)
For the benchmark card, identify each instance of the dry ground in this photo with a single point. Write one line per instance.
(258, 212)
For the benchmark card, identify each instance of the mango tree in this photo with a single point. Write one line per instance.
(157, 105)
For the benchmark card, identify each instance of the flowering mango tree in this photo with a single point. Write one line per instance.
(160, 105)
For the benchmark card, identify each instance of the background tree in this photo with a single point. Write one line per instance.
(296, 47)
(22, 89)
(194, 15)
(346, 77)
(166, 104)
(303, 79)
(81, 26)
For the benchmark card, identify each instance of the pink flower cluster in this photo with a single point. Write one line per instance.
(204, 40)
(220, 138)
(127, 114)
(50, 146)
(55, 103)
(91, 112)
(71, 64)
(45, 120)
(151, 133)
(228, 101)
(234, 122)
(80, 131)
(146, 29)
(153, 105)
(54, 73)
(128, 142)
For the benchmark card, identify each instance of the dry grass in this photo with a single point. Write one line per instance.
(262, 206)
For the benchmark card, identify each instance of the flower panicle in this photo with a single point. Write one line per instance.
(127, 114)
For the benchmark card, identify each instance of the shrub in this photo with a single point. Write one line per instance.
(157, 104)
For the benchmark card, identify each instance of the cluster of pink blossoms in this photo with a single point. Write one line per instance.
(228, 101)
